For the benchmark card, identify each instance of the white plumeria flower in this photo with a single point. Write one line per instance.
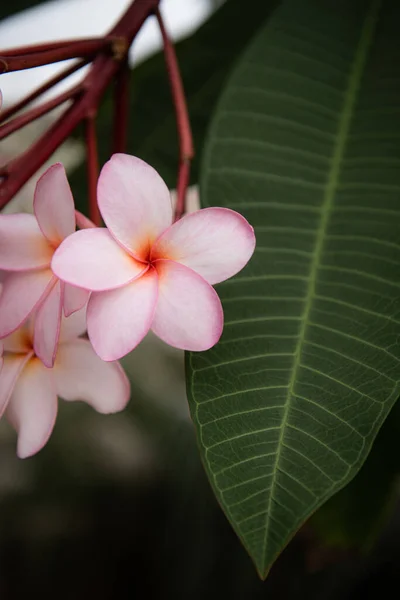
(27, 245)
(29, 390)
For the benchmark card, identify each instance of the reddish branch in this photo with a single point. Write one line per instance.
(92, 167)
(8, 113)
(103, 69)
(186, 151)
(110, 63)
(121, 108)
(52, 53)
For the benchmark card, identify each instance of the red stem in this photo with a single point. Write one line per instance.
(186, 149)
(29, 116)
(104, 68)
(92, 167)
(34, 48)
(121, 109)
(79, 49)
(8, 113)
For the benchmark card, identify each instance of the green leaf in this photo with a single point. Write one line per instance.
(305, 142)
(205, 60)
(353, 517)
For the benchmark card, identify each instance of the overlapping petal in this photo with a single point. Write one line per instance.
(119, 319)
(189, 313)
(22, 245)
(53, 205)
(11, 370)
(47, 324)
(32, 409)
(21, 293)
(81, 375)
(91, 259)
(74, 326)
(74, 299)
(135, 203)
(214, 242)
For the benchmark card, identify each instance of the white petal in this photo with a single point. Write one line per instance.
(32, 410)
(81, 375)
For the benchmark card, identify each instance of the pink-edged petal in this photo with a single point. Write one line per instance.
(32, 410)
(13, 365)
(53, 205)
(73, 326)
(21, 293)
(47, 325)
(215, 242)
(74, 298)
(119, 319)
(80, 374)
(22, 244)
(189, 314)
(91, 259)
(135, 203)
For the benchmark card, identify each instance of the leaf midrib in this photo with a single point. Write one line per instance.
(329, 195)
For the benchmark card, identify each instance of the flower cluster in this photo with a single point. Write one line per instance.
(140, 272)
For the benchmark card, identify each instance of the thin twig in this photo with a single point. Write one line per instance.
(34, 113)
(186, 150)
(80, 49)
(9, 112)
(121, 108)
(92, 162)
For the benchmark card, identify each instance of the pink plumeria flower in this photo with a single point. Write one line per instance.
(29, 390)
(27, 245)
(147, 273)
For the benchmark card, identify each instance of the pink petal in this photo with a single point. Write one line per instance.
(32, 409)
(80, 374)
(22, 244)
(74, 298)
(119, 319)
(47, 325)
(73, 326)
(135, 203)
(12, 367)
(53, 205)
(21, 293)
(91, 259)
(189, 313)
(215, 242)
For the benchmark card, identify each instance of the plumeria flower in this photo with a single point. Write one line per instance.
(147, 273)
(27, 244)
(29, 390)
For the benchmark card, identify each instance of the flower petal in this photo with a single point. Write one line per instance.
(74, 298)
(215, 242)
(22, 244)
(189, 313)
(91, 259)
(20, 295)
(135, 203)
(53, 205)
(119, 319)
(73, 326)
(80, 374)
(47, 325)
(13, 365)
(32, 409)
